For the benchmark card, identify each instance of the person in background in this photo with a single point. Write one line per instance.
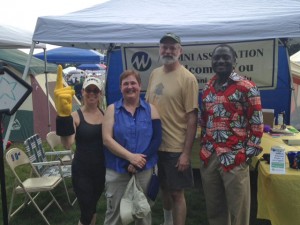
(174, 91)
(78, 90)
(84, 127)
(231, 131)
(132, 135)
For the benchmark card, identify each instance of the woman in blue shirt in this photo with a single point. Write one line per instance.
(131, 134)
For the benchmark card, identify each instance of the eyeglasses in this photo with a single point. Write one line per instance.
(95, 91)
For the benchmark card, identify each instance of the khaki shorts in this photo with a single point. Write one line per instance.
(169, 177)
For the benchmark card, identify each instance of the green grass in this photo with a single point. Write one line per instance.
(196, 212)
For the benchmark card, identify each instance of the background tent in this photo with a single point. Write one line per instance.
(198, 21)
(69, 55)
(295, 58)
(18, 59)
(11, 37)
(32, 116)
(91, 67)
(295, 107)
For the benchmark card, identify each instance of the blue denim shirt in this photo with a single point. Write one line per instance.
(132, 132)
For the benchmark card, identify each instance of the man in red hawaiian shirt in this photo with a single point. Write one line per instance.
(231, 127)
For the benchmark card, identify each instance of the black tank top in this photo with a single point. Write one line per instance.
(89, 144)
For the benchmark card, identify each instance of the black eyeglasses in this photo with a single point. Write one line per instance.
(95, 91)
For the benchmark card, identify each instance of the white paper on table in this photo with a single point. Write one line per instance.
(277, 160)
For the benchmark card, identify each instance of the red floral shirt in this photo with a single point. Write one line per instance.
(231, 121)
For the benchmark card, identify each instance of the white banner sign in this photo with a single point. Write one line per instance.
(256, 60)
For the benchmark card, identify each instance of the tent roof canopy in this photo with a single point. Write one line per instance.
(295, 64)
(142, 21)
(18, 59)
(12, 37)
(65, 55)
(295, 57)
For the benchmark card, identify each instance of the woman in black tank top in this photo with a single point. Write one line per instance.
(88, 168)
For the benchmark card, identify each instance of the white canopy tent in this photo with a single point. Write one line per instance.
(12, 37)
(15, 38)
(295, 59)
(142, 21)
(118, 22)
(295, 65)
(295, 107)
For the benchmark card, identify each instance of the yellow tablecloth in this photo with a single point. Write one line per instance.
(278, 195)
(268, 141)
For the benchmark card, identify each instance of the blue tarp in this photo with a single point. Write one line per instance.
(65, 55)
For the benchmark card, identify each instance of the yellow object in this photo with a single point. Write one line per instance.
(62, 95)
(278, 194)
(268, 141)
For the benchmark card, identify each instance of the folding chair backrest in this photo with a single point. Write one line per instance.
(16, 157)
(35, 151)
(53, 140)
(56, 145)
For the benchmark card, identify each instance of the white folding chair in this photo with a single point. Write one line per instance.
(31, 186)
(54, 142)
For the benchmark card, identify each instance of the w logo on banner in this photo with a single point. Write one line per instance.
(141, 61)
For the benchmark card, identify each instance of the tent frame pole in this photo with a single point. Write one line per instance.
(47, 89)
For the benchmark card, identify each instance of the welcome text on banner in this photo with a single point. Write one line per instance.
(256, 60)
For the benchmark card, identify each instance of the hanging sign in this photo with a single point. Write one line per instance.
(13, 91)
(256, 61)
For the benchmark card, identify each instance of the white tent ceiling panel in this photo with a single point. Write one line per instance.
(143, 21)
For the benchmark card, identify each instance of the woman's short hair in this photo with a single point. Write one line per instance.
(128, 73)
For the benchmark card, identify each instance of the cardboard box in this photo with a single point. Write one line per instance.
(268, 115)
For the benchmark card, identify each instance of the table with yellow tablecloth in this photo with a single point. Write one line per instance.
(268, 141)
(278, 195)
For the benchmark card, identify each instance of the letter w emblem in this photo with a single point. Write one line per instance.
(141, 61)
